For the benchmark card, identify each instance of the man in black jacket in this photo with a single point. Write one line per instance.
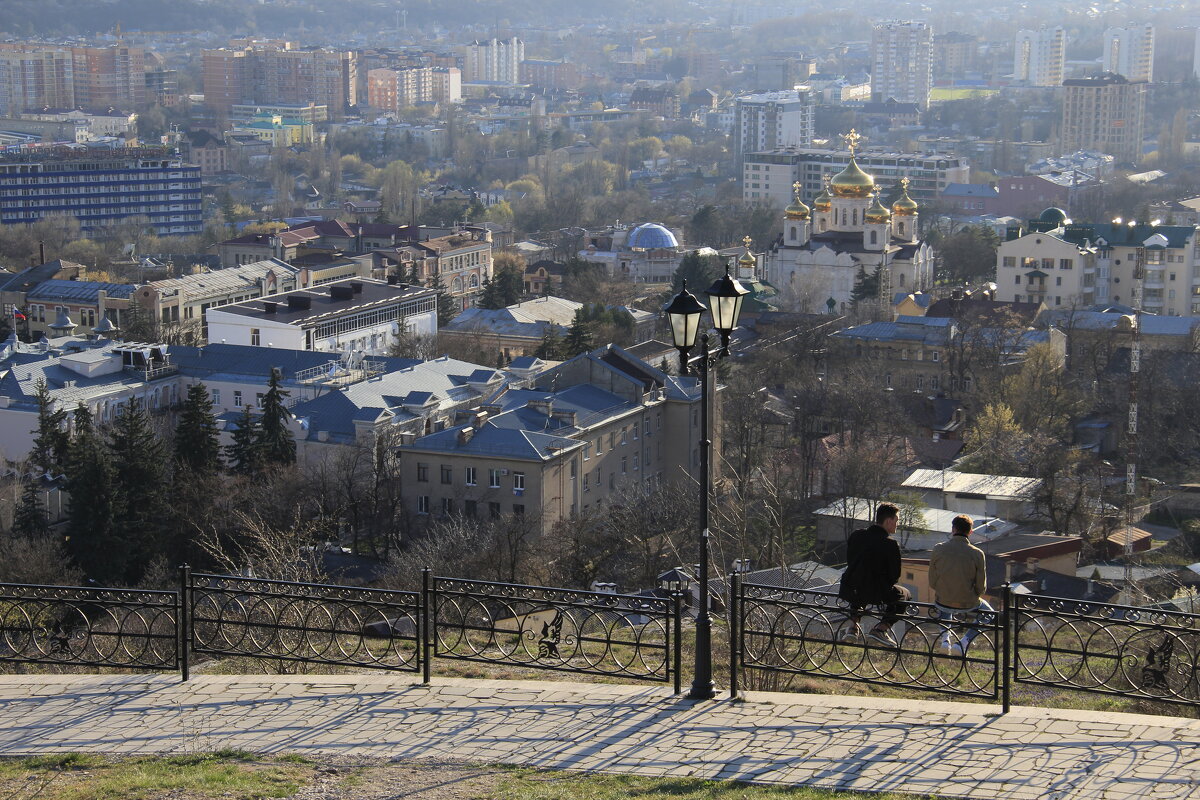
(872, 575)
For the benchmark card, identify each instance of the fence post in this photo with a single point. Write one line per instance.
(1007, 642)
(183, 627)
(735, 630)
(426, 612)
(677, 635)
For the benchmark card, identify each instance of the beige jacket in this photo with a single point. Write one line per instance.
(957, 573)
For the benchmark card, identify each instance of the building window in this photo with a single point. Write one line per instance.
(423, 504)
(423, 473)
(469, 508)
(469, 476)
(216, 397)
(1065, 263)
(937, 356)
(1010, 261)
(447, 506)
(887, 381)
(447, 474)
(586, 483)
(599, 445)
(635, 425)
(493, 510)
(635, 462)
(493, 478)
(623, 469)
(519, 481)
(255, 337)
(612, 481)
(1018, 280)
(1058, 280)
(518, 510)
(624, 436)
(587, 451)
(237, 398)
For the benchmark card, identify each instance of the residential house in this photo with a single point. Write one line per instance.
(1010, 497)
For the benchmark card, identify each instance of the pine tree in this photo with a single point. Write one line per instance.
(52, 441)
(447, 306)
(699, 272)
(92, 539)
(29, 519)
(490, 295)
(579, 337)
(551, 346)
(243, 455)
(866, 287)
(142, 488)
(196, 438)
(275, 439)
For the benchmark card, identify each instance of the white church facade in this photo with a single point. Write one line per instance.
(848, 233)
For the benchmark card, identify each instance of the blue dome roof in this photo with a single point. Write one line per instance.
(651, 236)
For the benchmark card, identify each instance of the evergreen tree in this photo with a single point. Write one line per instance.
(243, 455)
(579, 337)
(93, 540)
(447, 306)
(52, 441)
(866, 287)
(196, 437)
(29, 518)
(551, 347)
(489, 296)
(511, 284)
(699, 272)
(142, 488)
(275, 440)
(412, 278)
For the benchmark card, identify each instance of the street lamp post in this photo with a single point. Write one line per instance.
(684, 311)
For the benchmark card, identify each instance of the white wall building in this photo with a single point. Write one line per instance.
(493, 61)
(360, 315)
(902, 62)
(1130, 52)
(1039, 57)
(770, 120)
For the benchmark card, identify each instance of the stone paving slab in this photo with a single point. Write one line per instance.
(852, 743)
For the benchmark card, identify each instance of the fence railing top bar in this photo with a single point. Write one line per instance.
(1060, 605)
(330, 586)
(634, 598)
(105, 590)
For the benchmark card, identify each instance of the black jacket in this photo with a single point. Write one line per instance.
(872, 567)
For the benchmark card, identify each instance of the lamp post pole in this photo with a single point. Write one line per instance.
(703, 687)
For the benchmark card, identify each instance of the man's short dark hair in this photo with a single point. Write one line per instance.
(962, 525)
(886, 511)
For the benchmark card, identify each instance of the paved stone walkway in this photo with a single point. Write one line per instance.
(922, 747)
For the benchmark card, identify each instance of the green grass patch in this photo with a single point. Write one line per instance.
(226, 774)
(524, 784)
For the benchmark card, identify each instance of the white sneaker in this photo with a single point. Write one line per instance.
(945, 647)
(955, 650)
(851, 636)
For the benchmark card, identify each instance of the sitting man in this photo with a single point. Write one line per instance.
(958, 578)
(872, 572)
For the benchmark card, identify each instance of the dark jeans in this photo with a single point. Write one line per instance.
(892, 607)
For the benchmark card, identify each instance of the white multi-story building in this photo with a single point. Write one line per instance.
(771, 120)
(769, 176)
(493, 61)
(1130, 52)
(1039, 57)
(362, 316)
(1078, 265)
(902, 62)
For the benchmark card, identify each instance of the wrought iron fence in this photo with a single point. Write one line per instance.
(1107, 649)
(76, 626)
(303, 622)
(594, 633)
(800, 632)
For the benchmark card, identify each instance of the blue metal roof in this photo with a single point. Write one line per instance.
(79, 291)
(651, 236)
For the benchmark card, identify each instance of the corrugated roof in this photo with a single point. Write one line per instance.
(79, 291)
(973, 483)
(228, 279)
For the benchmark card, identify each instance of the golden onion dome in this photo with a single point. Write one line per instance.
(878, 212)
(797, 210)
(747, 258)
(823, 201)
(904, 206)
(852, 182)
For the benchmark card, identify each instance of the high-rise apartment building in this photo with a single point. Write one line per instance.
(100, 187)
(35, 77)
(954, 53)
(270, 73)
(771, 120)
(902, 62)
(1130, 52)
(1039, 57)
(493, 61)
(1104, 112)
(112, 76)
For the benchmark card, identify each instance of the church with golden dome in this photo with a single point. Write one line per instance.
(847, 233)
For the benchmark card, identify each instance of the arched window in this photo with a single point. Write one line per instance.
(474, 281)
(822, 225)
(856, 216)
(901, 278)
(900, 227)
(794, 234)
(874, 237)
(843, 216)
(456, 286)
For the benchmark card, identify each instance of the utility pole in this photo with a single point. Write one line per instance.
(1131, 431)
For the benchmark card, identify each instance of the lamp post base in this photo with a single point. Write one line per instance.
(702, 691)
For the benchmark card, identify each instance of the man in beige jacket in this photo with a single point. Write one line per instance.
(958, 577)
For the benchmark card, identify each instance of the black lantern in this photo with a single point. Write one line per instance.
(675, 580)
(725, 303)
(684, 312)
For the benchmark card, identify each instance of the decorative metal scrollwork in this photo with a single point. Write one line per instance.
(69, 626)
(815, 633)
(595, 633)
(307, 623)
(1107, 649)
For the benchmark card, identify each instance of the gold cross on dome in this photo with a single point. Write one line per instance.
(747, 241)
(904, 183)
(852, 139)
(796, 187)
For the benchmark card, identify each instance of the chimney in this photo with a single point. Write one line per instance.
(356, 287)
(479, 419)
(299, 301)
(465, 435)
(269, 308)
